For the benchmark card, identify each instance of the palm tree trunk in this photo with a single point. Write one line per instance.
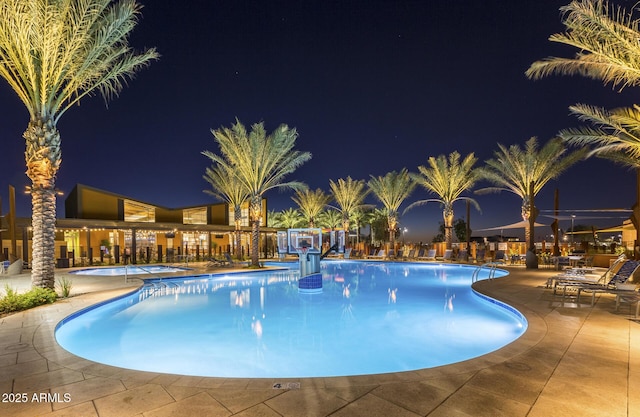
(256, 210)
(447, 215)
(43, 223)
(43, 159)
(255, 241)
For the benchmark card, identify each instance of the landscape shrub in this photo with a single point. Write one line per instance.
(12, 301)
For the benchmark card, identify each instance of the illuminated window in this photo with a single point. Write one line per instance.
(138, 212)
(194, 216)
(244, 218)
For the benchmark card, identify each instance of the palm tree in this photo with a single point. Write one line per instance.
(448, 179)
(53, 54)
(607, 42)
(311, 203)
(616, 135)
(392, 190)
(514, 169)
(289, 219)
(260, 162)
(226, 187)
(330, 219)
(349, 195)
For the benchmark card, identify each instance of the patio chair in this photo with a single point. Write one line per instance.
(500, 256)
(380, 255)
(621, 276)
(447, 256)
(480, 256)
(577, 276)
(430, 256)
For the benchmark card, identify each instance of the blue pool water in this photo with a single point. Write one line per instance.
(130, 270)
(370, 318)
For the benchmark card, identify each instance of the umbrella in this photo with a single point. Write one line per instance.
(520, 225)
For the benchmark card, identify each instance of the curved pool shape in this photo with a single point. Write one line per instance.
(370, 318)
(130, 270)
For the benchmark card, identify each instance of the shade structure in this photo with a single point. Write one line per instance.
(519, 225)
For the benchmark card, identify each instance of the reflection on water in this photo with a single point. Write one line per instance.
(370, 318)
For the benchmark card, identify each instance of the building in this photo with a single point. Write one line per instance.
(100, 226)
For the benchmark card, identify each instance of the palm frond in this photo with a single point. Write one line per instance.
(606, 38)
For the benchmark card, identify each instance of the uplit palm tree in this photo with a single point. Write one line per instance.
(513, 169)
(358, 218)
(330, 219)
(289, 219)
(606, 38)
(53, 54)
(349, 195)
(447, 178)
(616, 135)
(226, 187)
(311, 203)
(260, 162)
(392, 190)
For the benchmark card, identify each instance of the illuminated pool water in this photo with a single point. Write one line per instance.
(130, 270)
(371, 318)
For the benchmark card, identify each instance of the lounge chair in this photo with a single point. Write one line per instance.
(463, 256)
(420, 254)
(411, 254)
(446, 257)
(500, 256)
(214, 263)
(430, 256)
(624, 274)
(380, 255)
(576, 276)
(607, 283)
(480, 256)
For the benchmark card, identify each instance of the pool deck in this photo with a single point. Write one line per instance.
(572, 360)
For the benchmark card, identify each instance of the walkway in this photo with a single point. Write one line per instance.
(573, 360)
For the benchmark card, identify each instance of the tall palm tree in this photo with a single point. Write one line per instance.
(616, 135)
(260, 162)
(447, 178)
(53, 54)
(349, 194)
(606, 39)
(311, 203)
(392, 189)
(226, 187)
(289, 219)
(514, 169)
(330, 219)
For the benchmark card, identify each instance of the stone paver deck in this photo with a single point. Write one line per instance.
(572, 360)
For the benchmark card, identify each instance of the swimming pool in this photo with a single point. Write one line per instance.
(371, 318)
(130, 270)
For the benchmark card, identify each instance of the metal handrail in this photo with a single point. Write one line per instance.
(492, 270)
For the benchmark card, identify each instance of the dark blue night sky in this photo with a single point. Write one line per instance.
(372, 86)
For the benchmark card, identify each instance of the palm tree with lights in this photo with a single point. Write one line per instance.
(349, 195)
(53, 54)
(607, 41)
(330, 219)
(225, 186)
(525, 171)
(260, 162)
(311, 204)
(391, 190)
(290, 219)
(448, 178)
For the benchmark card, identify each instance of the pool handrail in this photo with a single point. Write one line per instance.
(492, 270)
